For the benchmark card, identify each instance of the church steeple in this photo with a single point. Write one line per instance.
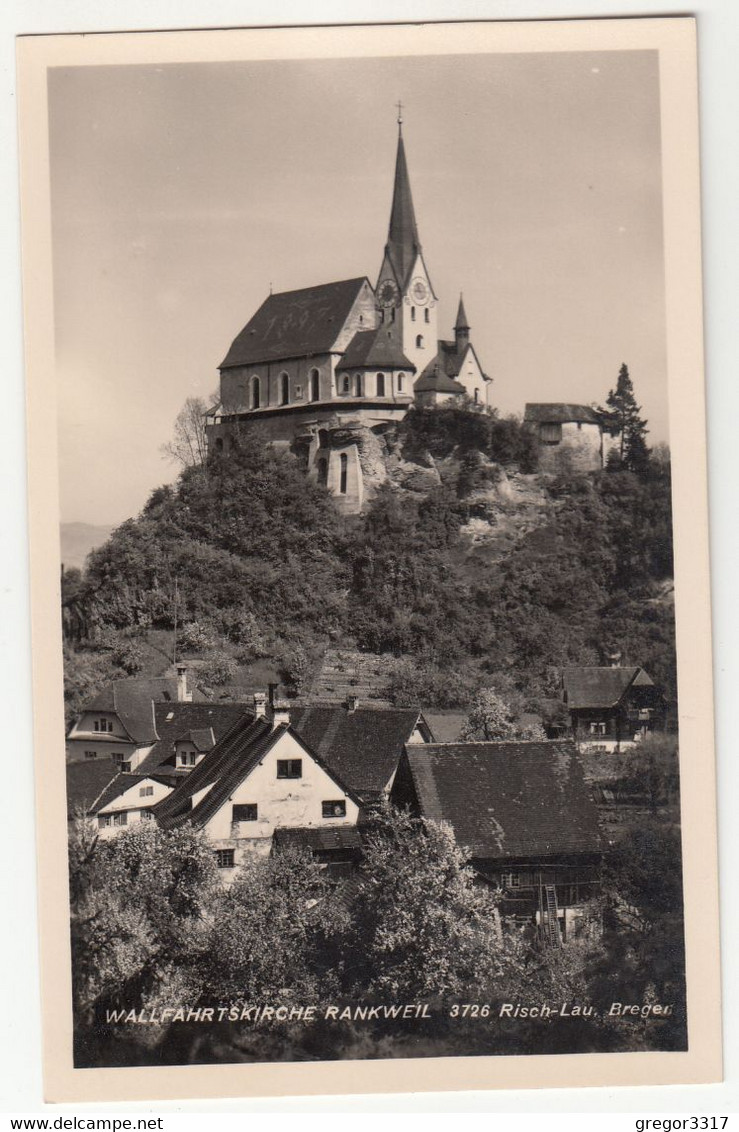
(403, 244)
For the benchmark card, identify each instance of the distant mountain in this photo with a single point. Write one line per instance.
(78, 539)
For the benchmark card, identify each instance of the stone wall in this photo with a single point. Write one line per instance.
(578, 451)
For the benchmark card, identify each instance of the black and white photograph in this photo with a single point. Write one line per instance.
(373, 700)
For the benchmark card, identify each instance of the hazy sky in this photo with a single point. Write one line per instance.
(180, 192)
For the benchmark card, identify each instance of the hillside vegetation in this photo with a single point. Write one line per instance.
(494, 576)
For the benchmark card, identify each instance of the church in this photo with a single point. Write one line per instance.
(328, 371)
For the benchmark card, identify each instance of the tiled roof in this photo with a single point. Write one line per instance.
(295, 324)
(436, 379)
(319, 838)
(600, 687)
(86, 781)
(507, 800)
(132, 702)
(175, 720)
(362, 747)
(374, 348)
(202, 738)
(220, 772)
(560, 413)
(123, 782)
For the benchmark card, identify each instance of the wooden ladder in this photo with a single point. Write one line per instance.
(552, 934)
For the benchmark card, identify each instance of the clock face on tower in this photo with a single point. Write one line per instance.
(419, 291)
(388, 294)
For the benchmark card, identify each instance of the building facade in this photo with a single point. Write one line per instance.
(572, 438)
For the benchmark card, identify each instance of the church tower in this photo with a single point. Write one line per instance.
(405, 297)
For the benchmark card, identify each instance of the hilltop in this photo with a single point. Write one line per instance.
(468, 568)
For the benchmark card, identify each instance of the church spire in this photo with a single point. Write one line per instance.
(461, 323)
(461, 328)
(403, 244)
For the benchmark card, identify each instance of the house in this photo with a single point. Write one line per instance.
(137, 722)
(327, 370)
(361, 744)
(260, 777)
(572, 438)
(612, 707)
(113, 800)
(523, 814)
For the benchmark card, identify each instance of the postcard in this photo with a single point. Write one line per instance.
(371, 611)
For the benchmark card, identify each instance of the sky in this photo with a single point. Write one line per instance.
(180, 193)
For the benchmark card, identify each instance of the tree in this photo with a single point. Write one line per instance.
(421, 927)
(188, 446)
(622, 406)
(491, 719)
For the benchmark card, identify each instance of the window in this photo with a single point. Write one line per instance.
(333, 809)
(315, 385)
(246, 811)
(597, 728)
(255, 393)
(219, 444)
(97, 725)
(419, 341)
(357, 385)
(224, 858)
(342, 468)
(147, 815)
(120, 819)
(550, 433)
(284, 389)
(413, 314)
(392, 314)
(103, 725)
(426, 315)
(401, 382)
(477, 395)
(104, 821)
(322, 465)
(579, 426)
(91, 754)
(122, 762)
(381, 385)
(346, 384)
(145, 791)
(289, 768)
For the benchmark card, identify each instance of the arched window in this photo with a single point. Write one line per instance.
(357, 385)
(342, 464)
(255, 393)
(426, 316)
(392, 314)
(413, 314)
(381, 385)
(419, 341)
(322, 471)
(346, 384)
(401, 382)
(315, 385)
(284, 389)
(477, 395)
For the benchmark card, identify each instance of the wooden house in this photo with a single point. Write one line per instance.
(612, 708)
(523, 814)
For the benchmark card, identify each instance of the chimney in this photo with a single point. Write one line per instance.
(352, 703)
(260, 705)
(183, 696)
(280, 714)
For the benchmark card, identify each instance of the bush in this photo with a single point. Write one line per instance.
(217, 671)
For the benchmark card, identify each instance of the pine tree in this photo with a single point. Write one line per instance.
(622, 406)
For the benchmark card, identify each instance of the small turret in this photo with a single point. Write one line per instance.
(461, 328)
